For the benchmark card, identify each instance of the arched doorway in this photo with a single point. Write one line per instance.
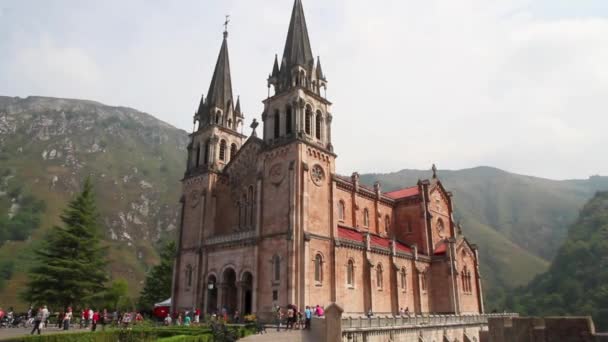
(247, 288)
(211, 294)
(229, 293)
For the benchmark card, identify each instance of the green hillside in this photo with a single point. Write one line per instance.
(577, 281)
(48, 146)
(517, 221)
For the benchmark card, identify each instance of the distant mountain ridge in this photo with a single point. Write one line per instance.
(48, 145)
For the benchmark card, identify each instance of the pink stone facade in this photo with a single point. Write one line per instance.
(267, 221)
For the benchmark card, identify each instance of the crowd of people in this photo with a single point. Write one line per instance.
(292, 318)
(40, 318)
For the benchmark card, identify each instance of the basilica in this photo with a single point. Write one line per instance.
(266, 220)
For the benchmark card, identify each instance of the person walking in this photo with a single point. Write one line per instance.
(290, 317)
(37, 322)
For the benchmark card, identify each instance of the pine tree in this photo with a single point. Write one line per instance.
(71, 265)
(158, 281)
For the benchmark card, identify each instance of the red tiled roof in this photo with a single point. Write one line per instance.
(378, 241)
(403, 193)
(349, 234)
(403, 248)
(441, 249)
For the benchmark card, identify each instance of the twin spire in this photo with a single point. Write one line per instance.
(297, 68)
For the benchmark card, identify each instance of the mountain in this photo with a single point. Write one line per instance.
(518, 221)
(49, 145)
(577, 281)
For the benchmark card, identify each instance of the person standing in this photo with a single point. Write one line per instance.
(308, 317)
(37, 322)
(197, 315)
(278, 317)
(67, 318)
(95, 320)
(103, 319)
(45, 316)
(290, 317)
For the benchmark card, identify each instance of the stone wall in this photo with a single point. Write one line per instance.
(538, 329)
(336, 327)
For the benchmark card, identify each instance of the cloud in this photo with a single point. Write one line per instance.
(520, 84)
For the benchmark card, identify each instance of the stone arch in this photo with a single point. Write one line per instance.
(228, 288)
(308, 120)
(246, 289)
(212, 292)
(318, 124)
(319, 260)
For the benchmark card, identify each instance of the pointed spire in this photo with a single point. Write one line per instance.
(275, 67)
(320, 75)
(237, 109)
(220, 89)
(297, 46)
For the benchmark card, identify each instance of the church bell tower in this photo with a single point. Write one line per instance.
(218, 121)
(297, 109)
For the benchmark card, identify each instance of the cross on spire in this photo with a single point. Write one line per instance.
(226, 25)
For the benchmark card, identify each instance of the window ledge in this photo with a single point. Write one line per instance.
(318, 284)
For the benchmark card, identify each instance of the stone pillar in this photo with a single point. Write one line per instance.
(221, 301)
(333, 322)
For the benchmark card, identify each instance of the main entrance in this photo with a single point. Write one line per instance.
(246, 292)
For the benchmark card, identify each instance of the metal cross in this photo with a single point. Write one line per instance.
(226, 22)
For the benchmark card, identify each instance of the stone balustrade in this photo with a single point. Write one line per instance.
(231, 238)
(364, 322)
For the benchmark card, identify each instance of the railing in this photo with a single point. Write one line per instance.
(392, 322)
(231, 238)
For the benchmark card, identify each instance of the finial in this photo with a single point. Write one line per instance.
(226, 26)
(434, 168)
(253, 126)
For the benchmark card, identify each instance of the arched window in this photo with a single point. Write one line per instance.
(240, 207)
(387, 224)
(232, 151)
(318, 119)
(318, 268)
(206, 160)
(277, 124)
(440, 227)
(308, 119)
(288, 120)
(341, 209)
(276, 268)
(229, 123)
(466, 280)
(402, 277)
(350, 273)
(189, 275)
(423, 280)
(379, 280)
(250, 200)
(244, 210)
(218, 117)
(366, 218)
(223, 150)
(198, 155)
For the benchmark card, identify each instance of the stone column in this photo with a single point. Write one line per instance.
(333, 322)
(221, 301)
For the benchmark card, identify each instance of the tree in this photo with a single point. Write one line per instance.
(71, 265)
(158, 281)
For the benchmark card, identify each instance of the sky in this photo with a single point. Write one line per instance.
(520, 85)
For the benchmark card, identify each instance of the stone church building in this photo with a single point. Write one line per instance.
(266, 220)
